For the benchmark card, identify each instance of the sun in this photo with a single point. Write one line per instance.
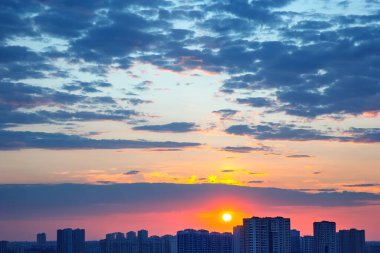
(226, 217)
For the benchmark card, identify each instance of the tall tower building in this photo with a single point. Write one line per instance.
(41, 239)
(266, 235)
(295, 241)
(193, 241)
(143, 242)
(325, 237)
(351, 241)
(70, 241)
(307, 244)
(238, 239)
(3, 246)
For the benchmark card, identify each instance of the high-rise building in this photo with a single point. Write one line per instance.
(295, 241)
(266, 235)
(169, 244)
(70, 241)
(41, 239)
(307, 244)
(351, 241)
(119, 243)
(143, 242)
(201, 241)
(325, 237)
(3, 246)
(238, 239)
(192, 241)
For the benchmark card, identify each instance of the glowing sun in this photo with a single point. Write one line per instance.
(226, 217)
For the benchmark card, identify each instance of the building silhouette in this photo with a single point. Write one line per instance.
(263, 235)
(201, 241)
(351, 241)
(307, 244)
(295, 241)
(238, 239)
(41, 239)
(70, 241)
(130, 243)
(3, 246)
(324, 237)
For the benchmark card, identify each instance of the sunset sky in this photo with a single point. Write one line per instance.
(255, 107)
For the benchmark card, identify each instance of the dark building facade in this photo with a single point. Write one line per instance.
(325, 237)
(307, 244)
(351, 241)
(71, 241)
(263, 235)
(41, 239)
(119, 243)
(201, 241)
(295, 241)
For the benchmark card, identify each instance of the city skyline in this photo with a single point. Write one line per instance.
(165, 114)
(254, 235)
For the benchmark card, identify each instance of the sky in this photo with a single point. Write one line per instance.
(162, 114)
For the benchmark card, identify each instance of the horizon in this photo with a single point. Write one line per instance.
(166, 113)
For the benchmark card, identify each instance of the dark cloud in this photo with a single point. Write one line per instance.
(291, 132)
(226, 114)
(255, 182)
(132, 172)
(245, 149)
(322, 190)
(19, 62)
(299, 156)
(63, 106)
(86, 87)
(137, 101)
(255, 101)
(15, 140)
(175, 127)
(311, 67)
(104, 182)
(274, 131)
(77, 199)
(227, 171)
(360, 185)
(365, 135)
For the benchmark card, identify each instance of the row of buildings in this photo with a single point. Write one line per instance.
(255, 235)
(274, 235)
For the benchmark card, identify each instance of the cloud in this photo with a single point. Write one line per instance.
(15, 140)
(326, 190)
(104, 182)
(86, 87)
(244, 149)
(365, 135)
(255, 101)
(174, 127)
(274, 131)
(132, 172)
(360, 185)
(299, 156)
(227, 171)
(78, 199)
(291, 132)
(57, 106)
(137, 101)
(226, 114)
(255, 182)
